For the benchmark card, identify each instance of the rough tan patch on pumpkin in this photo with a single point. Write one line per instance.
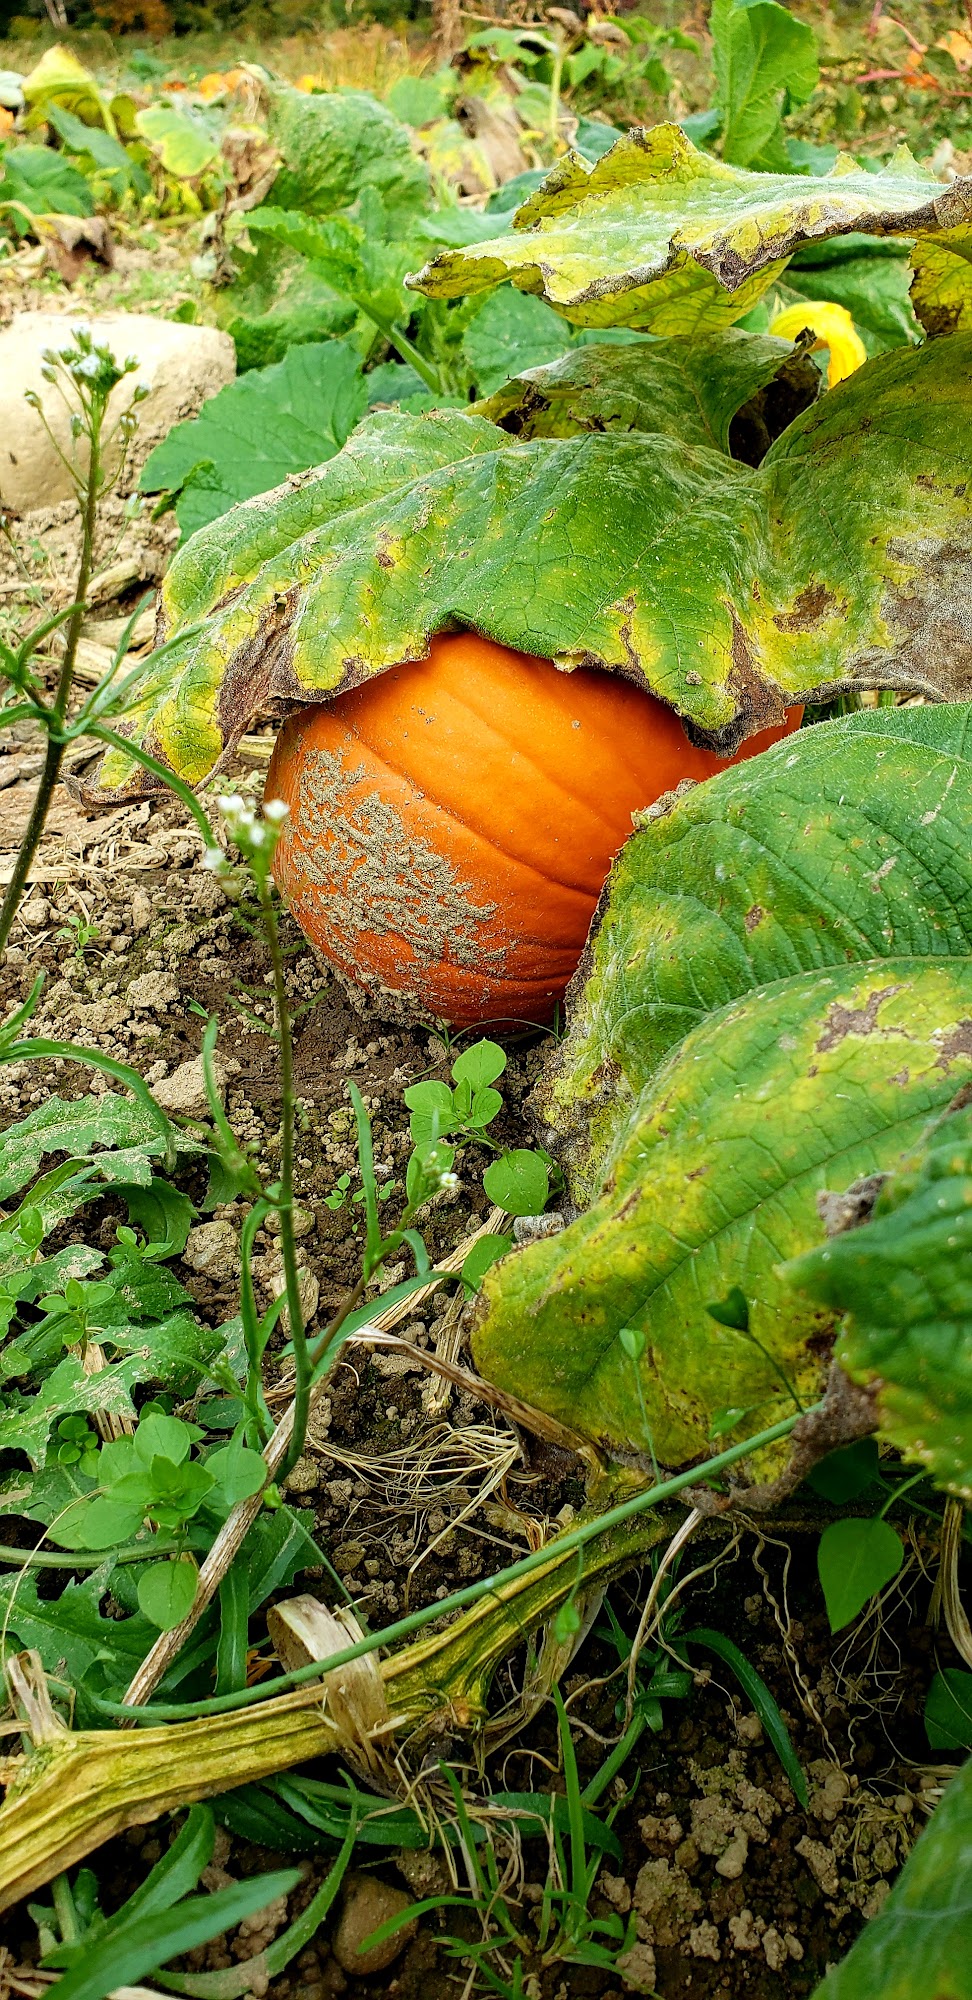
(380, 877)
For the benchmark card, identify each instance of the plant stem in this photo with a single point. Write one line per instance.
(576, 1538)
(56, 741)
(31, 840)
(557, 71)
(612, 1764)
(393, 333)
(84, 1559)
(429, 373)
(284, 1202)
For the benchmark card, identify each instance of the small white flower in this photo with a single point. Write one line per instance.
(231, 802)
(448, 1180)
(275, 810)
(213, 857)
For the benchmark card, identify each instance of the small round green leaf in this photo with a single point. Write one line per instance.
(104, 1524)
(238, 1472)
(855, 1560)
(948, 1710)
(480, 1064)
(486, 1105)
(518, 1181)
(432, 1111)
(845, 1474)
(163, 1437)
(166, 1592)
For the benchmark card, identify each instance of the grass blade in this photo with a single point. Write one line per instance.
(759, 1694)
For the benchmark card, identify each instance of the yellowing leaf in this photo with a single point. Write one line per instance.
(846, 558)
(941, 289)
(61, 77)
(801, 1085)
(661, 236)
(183, 146)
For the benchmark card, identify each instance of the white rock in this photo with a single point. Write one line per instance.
(141, 912)
(153, 992)
(181, 365)
(637, 1968)
(213, 1249)
(185, 1090)
(303, 1221)
(308, 1291)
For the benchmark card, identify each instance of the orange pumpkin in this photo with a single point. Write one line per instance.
(452, 822)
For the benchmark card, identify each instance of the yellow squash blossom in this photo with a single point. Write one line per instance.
(833, 328)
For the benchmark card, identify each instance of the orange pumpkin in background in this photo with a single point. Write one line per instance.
(452, 822)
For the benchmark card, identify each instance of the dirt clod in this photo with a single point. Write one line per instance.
(369, 1903)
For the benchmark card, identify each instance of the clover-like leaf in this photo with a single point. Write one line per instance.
(661, 236)
(801, 1085)
(844, 559)
(845, 842)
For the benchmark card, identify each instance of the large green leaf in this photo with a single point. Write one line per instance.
(800, 1086)
(763, 59)
(26, 1422)
(78, 1126)
(337, 143)
(358, 258)
(919, 1946)
(846, 842)
(844, 559)
(904, 1280)
(68, 1631)
(44, 183)
(509, 333)
(277, 301)
(685, 389)
(101, 149)
(661, 236)
(869, 277)
(259, 430)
